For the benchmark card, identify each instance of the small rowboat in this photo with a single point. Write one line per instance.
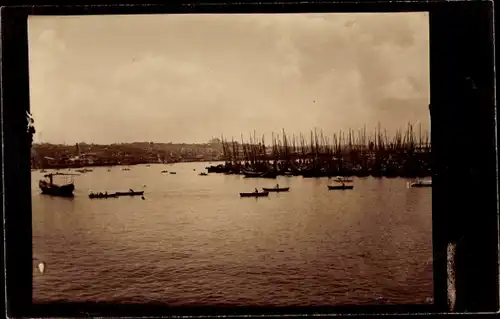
(203, 174)
(343, 179)
(130, 193)
(340, 187)
(173, 173)
(420, 183)
(100, 195)
(254, 194)
(274, 189)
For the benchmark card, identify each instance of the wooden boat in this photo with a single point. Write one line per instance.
(340, 187)
(130, 193)
(203, 174)
(254, 194)
(164, 171)
(343, 179)
(276, 189)
(84, 170)
(420, 183)
(173, 173)
(125, 169)
(101, 195)
(217, 169)
(48, 187)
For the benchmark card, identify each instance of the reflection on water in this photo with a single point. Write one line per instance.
(193, 240)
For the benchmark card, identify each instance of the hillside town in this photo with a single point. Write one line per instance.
(47, 156)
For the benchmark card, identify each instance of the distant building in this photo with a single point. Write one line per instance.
(215, 141)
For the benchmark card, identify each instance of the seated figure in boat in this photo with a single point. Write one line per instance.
(277, 186)
(256, 190)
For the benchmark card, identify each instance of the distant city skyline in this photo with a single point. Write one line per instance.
(190, 78)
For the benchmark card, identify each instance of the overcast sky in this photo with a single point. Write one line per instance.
(186, 78)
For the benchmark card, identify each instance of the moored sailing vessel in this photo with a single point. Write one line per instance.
(48, 187)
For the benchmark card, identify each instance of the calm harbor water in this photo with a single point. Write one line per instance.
(193, 240)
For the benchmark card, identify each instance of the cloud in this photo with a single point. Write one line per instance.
(181, 77)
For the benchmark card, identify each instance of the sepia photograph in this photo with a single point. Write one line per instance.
(231, 159)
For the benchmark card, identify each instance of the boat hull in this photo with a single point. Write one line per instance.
(262, 194)
(129, 193)
(276, 190)
(340, 187)
(98, 196)
(343, 179)
(420, 185)
(57, 190)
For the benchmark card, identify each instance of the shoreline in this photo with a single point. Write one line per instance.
(82, 166)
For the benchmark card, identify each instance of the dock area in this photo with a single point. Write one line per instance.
(354, 153)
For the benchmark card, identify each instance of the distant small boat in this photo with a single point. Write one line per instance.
(164, 171)
(420, 183)
(343, 179)
(275, 189)
(125, 169)
(254, 194)
(173, 173)
(85, 170)
(129, 193)
(203, 174)
(148, 165)
(340, 187)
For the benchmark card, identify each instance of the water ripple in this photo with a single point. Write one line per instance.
(194, 241)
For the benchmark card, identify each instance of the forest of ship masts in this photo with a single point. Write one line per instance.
(407, 153)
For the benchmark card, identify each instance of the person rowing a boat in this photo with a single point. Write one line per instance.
(256, 191)
(277, 186)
